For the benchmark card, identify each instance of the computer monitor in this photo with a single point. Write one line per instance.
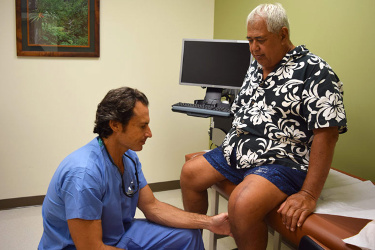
(215, 64)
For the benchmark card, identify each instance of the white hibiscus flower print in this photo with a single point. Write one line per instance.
(287, 71)
(331, 107)
(261, 112)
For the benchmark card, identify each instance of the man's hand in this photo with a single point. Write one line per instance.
(220, 224)
(296, 208)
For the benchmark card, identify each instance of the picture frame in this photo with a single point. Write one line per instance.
(57, 28)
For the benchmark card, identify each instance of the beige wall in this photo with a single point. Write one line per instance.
(341, 32)
(47, 105)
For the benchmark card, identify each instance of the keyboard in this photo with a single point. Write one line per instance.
(202, 110)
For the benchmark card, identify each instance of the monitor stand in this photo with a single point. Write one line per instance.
(213, 96)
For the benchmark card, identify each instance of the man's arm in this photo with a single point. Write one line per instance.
(87, 234)
(168, 215)
(299, 206)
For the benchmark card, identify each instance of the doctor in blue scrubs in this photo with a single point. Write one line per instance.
(93, 195)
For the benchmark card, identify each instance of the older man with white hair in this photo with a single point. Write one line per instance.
(287, 119)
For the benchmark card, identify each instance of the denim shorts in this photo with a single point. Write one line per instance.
(287, 179)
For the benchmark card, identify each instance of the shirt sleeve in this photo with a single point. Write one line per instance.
(323, 99)
(82, 196)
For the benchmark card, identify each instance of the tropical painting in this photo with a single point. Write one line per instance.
(58, 22)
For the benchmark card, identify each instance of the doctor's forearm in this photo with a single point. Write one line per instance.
(171, 216)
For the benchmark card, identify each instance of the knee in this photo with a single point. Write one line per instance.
(188, 175)
(198, 175)
(242, 208)
(244, 217)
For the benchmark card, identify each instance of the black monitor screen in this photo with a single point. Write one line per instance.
(214, 63)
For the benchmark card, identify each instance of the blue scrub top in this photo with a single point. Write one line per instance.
(86, 185)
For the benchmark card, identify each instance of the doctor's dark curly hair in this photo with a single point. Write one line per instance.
(117, 105)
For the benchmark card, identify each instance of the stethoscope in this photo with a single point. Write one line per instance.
(132, 189)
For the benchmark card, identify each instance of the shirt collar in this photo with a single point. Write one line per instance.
(298, 51)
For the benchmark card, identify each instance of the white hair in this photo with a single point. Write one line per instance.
(274, 15)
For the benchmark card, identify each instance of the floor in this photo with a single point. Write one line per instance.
(21, 228)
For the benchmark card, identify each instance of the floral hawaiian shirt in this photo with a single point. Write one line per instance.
(274, 118)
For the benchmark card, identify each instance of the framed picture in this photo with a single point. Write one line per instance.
(67, 28)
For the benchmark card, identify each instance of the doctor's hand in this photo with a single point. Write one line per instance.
(296, 208)
(220, 224)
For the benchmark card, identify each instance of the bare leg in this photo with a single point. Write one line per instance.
(197, 176)
(248, 206)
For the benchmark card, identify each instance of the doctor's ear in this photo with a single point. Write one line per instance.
(115, 125)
